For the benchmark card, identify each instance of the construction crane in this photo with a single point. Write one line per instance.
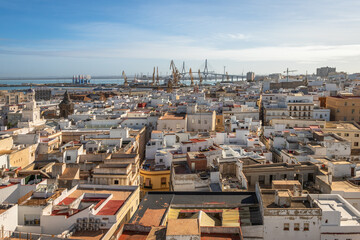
(153, 78)
(200, 78)
(287, 73)
(126, 84)
(191, 78)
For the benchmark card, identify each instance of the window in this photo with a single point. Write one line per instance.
(177, 126)
(116, 182)
(296, 226)
(205, 122)
(346, 134)
(356, 135)
(163, 181)
(161, 160)
(188, 149)
(218, 120)
(339, 134)
(345, 103)
(199, 121)
(356, 144)
(192, 120)
(68, 158)
(353, 111)
(147, 182)
(306, 226)
(286, 226)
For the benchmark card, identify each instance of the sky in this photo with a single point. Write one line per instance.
(66, 37)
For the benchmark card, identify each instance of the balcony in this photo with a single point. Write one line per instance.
(148, 186)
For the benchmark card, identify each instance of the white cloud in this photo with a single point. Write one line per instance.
(183, 50)
(238, 36)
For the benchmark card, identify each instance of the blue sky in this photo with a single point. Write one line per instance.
(64, 37)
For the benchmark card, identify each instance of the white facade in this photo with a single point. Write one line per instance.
(321, 113)
(201, 122)
(340, 220)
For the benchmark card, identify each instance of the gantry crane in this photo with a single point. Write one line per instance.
(175, 73)
(200, 78)
(287, 73)
(191, 78)
(153, 78)
(126, 84)
(169, 86)
(157, 76)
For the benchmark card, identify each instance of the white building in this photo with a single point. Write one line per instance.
(201, 121)
(339, 220)
(172, 122)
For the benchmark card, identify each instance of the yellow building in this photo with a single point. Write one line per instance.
(219, 123)
(347, 130)
(152, 179)
(344, 108)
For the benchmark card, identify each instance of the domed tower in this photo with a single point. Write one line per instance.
(66, 106)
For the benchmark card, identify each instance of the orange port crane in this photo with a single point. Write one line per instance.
(153, 78)
(157, 76)
(191, 78)
(125, 79)
(200, 78)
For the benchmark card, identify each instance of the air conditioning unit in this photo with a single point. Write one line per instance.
(85, 219)
(91, 219)
(103, 225)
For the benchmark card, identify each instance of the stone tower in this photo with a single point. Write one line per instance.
(66, 106)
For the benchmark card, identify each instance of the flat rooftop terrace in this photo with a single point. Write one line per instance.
(152, 210)
(269, 202)
(348, 216)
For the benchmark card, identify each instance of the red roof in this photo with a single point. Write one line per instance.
(67, 201)
(195, 140)
(111, 207)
